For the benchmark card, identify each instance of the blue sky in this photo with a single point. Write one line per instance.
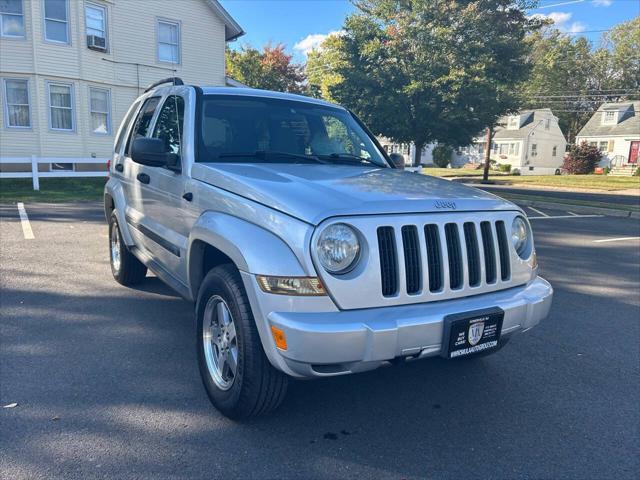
(301, 24)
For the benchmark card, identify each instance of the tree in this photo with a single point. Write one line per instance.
(418, 71)
(322, 66)
(582, 159)
(624, 44)
(269, 69)
(442, 155)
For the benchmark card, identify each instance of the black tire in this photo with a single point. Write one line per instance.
(257, 387)
(131, 270)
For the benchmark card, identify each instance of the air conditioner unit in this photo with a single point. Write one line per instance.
(97, 43)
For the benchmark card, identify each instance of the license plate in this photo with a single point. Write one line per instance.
(471, 332)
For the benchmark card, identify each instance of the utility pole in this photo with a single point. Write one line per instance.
(487, 156)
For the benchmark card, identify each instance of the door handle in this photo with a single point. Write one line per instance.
(119, 167)
(143, 178)
(188, 196)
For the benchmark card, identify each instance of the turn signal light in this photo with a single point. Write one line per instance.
(299, 286)
(279, 337)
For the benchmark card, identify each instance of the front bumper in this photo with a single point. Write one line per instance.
(340, 342)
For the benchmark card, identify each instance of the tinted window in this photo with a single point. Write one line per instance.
(125, 127)
(169, 126)
(231, 126)
(141, 127)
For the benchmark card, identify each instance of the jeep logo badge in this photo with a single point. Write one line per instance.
(445, 204)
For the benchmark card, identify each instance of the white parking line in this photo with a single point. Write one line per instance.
(547, 217)
(539, 212)
(619, 239)
(24, 220)
(573, 214)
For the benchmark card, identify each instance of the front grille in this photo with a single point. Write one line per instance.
(454, 254)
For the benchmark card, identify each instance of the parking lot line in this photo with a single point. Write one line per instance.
(547, 217)
(24, 220)
(574, 214)
(619, 239)
(539, 212)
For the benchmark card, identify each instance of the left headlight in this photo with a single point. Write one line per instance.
(338, 248)
(521, 237)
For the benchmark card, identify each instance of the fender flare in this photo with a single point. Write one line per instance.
(113, 190)
(250, 247)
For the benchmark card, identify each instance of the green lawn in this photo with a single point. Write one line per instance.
(52, 190)
(597, 182)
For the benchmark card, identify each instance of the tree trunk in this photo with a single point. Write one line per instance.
(487, 155)
(417, 155)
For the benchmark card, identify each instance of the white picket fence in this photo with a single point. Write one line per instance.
(35, 175)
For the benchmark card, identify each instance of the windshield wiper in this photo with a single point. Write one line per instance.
(270, 155)
(350, 156)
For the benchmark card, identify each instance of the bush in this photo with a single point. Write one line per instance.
(506, 168)
(582, 159)
(637, 172)
(442, 155)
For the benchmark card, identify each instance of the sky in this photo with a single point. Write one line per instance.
(303, 24)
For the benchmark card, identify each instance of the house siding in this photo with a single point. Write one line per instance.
(131, 27)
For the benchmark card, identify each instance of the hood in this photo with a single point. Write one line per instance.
(313, 193)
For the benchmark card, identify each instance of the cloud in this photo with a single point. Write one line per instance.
(558, 18)
(602, 3)
(312, 41)
(576, 27)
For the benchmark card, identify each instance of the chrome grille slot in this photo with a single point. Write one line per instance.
(455, 255)
(503, 246)
(412, 267)
(489, 252)
(434, 258)
(388, 261)
(473, 253)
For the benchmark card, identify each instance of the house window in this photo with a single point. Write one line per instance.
(504, 148)
(56, 21)
(11, 19)
(534, 150)
(554, 152)
(609, 116)
(604, 146)
(61, 106)
(516, 149)
(100, 110)
(611, 145)
(547, 124)
(168, 41)
(16, 94)
(96, 24)
(513, 123)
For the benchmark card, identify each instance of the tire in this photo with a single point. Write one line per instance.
(125, 267)
(255, 387)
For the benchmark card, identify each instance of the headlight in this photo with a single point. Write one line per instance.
(521, 237)
(338, 248)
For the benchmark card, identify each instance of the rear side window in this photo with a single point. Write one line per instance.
(169, 126)
(141, 127)
(125, 126)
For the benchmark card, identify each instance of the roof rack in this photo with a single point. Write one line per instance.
(173, 80)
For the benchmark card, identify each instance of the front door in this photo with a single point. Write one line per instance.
(633, 153)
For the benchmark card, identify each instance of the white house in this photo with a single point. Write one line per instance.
(530, 141)
(408, 150)
(615, 130)
(70, 69)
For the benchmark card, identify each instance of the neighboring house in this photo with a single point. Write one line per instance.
(70, 69)
(408, 150)
(615, 130)
(530, 141)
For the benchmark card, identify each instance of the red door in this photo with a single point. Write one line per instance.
(633, 152)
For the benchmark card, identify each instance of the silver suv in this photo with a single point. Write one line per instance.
(307, 250)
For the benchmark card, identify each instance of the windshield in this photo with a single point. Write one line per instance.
(244, 129)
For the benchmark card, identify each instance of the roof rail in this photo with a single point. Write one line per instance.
(174, 80)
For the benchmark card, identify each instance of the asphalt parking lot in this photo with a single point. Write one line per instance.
(106, 381)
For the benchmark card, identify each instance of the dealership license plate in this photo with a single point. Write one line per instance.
(472, 332)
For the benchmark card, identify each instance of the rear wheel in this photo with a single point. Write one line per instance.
(125, 267)
(238, 377)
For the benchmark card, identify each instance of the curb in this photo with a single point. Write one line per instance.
(610, 212)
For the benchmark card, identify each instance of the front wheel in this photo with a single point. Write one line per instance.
(125, 267)
(239, 379)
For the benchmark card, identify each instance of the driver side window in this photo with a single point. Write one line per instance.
(141, 126)
(169, 126)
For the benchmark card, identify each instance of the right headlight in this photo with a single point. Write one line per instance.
(338, 248)
(521, 237)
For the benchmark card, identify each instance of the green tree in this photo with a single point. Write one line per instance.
(624, 44)
(442, 155)
(418, 71)
(269, 69)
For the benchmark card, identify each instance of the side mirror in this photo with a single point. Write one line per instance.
(397, 160)
(149, 151)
